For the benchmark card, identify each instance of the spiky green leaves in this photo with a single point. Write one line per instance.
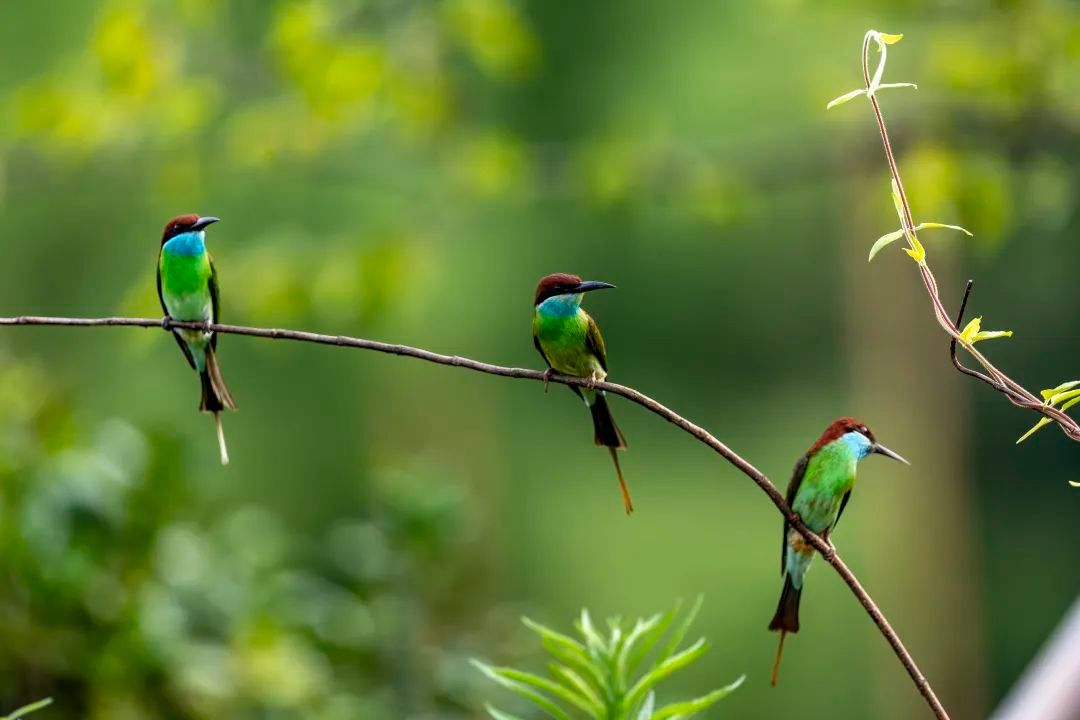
(1067, 395)
(883, 40)
(598, 675)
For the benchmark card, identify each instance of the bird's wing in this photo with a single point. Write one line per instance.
(161, 299)
(843, 504)
(595, 342)
(215, 299)
(536, 343)
(792, 491)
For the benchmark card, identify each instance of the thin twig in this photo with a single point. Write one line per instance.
(1016, 393)
(826, 550)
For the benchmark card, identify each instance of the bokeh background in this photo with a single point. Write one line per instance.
(406, 170)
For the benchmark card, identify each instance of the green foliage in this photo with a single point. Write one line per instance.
(1064, 394)
(122, 599)
(605, 675)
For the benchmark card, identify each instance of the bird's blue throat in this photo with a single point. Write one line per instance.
(560, 305)
(858, 443)
(189, 243)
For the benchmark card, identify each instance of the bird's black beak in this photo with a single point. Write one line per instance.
(204, 221)
(882, 450)
(590, 285)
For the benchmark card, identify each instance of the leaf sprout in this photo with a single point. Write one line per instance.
(606, 676)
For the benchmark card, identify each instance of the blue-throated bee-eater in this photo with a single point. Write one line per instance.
(570, 342)
(187, 286)
(819, 490)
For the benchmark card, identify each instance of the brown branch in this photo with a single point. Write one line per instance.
(827, 551)
(1016, 393)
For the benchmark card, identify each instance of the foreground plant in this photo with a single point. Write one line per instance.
(606, 676)
(1047, 406)
(27, 709)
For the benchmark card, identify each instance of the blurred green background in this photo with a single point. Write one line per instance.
(406, 170)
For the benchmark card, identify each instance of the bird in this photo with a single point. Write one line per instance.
(819, 491)
(570, 342)
(187, 286)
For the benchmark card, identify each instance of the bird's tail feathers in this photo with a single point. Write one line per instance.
(215, 393)
(628, 504)
(215, 398)
(607, 432)
(785, 620)
(222, 448)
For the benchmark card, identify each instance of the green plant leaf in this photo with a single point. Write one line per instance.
(651, 637)
(571, 679)
(973, 332)
(499, 714)
(646, 711)
(1046, 421)
(942, 226)
(884, 86)
(890, 39)
(623, 665)
(1062, 397)
(1047, 394)
(593, 641)
(883, 242)
(571, 652)
(27, 709)
(846, 97)
(917, 253)
(665, 668)
(544, 685)
(520, 688)
(680, 633)
(692, 707)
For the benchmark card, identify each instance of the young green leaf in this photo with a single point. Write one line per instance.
(658, 673)
(917, 253)
(692, 707)
(575, 681)
(646, 712)
(890, 39)
(593, 641)
(1047, 394)
(680, 634)
(552, 688)
(1046, 421)
(846, 97)
(973, 332)
(499, 714)
(651, 637)
(883, 86)
(523, 690)
(570, 651)
(623, 666)
(883, 242)
(942, 226)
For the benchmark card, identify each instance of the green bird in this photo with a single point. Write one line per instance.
(570, 342)
(187, 286)
(819, 490)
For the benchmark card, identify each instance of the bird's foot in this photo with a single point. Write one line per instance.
(825, 536)
(166, 323)
(547, 378)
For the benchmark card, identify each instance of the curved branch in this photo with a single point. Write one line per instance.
(1016, 393)
(824, 549)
